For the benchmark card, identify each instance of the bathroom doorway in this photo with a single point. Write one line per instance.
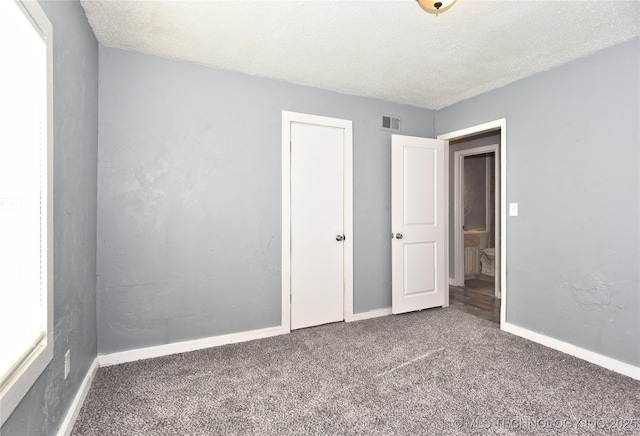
(488, 133)
(475, 199)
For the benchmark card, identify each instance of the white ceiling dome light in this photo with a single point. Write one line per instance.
(436, 6)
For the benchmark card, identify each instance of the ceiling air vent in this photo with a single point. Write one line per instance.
(390, 123)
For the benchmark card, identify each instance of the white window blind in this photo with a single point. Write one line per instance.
(24, 203)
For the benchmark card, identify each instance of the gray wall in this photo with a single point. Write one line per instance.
(475, 192)
(490, 138)
(189, 198)
(75, 87)
(573, 162)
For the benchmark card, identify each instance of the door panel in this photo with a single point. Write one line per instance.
(419, 273)
(418, 223)
(418, 183)
(317, 210)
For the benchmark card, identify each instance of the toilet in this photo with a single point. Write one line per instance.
(487, 261)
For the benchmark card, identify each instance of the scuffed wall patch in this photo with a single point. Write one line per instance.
(592, 292)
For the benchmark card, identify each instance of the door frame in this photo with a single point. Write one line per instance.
(346, 125)
(491, 126)
(458, 207)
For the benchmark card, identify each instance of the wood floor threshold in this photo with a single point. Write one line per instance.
(477, 298)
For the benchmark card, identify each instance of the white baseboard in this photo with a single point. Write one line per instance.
(76, 405)
(183, 347)
(581, 353)
(371, 314)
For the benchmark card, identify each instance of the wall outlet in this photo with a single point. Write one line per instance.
(67, 364)
(513, 209)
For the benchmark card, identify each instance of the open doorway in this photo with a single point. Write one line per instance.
(475, 217)
(475, 200)
(476, 181)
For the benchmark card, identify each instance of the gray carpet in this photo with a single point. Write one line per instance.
(439, 371)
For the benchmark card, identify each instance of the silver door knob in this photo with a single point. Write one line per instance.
(399, 236)
(340, 238)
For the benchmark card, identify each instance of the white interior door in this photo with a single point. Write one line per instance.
(418, 223)
(317, 224)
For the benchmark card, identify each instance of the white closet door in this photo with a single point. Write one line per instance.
(317, 224)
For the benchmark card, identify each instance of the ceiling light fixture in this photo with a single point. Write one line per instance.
(436, 6)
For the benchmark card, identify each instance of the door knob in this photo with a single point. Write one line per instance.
(399, 236)
(340, 238)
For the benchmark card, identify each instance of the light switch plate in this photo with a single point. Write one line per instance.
(513, 209)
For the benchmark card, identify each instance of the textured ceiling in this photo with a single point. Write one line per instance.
(388, 49)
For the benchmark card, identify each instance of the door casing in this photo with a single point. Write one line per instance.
(346, 125)
(458, 171)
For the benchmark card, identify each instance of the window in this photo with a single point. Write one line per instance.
(26, 212)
